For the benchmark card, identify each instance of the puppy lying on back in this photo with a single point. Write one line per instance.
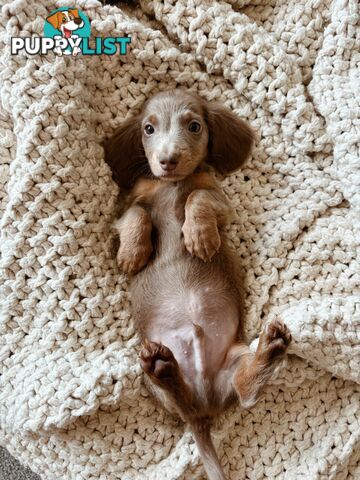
(186, 296)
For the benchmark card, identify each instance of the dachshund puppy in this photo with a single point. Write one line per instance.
(186, 294)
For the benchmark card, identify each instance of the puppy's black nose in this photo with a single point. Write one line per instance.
(77, 21)
(169, 163)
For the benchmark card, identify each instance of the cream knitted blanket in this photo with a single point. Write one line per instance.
(72, 402)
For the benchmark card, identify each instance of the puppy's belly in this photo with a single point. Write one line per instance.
(199, 325)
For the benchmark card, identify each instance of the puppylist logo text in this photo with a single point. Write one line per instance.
(67, 32)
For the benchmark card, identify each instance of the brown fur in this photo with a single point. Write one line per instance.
(144, 190)
(229, 144)
(187, 295)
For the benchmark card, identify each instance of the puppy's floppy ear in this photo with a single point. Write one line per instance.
(125, 155)
(75, 12)
(55, 20)
(230, 138)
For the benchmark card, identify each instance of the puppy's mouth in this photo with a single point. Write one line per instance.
(67, 32)
(170, 176)
(171, 168)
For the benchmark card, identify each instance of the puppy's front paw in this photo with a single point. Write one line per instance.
(274, 341)
(132, 259)
(201, 239)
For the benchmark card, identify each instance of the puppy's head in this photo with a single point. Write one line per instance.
(174, 134)
(66, 21)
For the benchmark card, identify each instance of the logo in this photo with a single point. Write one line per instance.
(67, 32)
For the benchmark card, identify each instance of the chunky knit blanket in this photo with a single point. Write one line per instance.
(72, 400)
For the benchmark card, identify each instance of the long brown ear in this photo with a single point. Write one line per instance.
(230, 138)
(125, 155)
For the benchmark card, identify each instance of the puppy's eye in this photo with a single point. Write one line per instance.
(194, 127)
(149, 129)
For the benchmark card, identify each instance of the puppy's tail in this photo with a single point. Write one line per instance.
(201, 431)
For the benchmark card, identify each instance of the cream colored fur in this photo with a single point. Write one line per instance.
(72, 402)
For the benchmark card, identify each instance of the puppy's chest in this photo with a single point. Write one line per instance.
(164, 200)
(169, 204)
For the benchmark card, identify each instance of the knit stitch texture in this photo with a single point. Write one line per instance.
(72, 402)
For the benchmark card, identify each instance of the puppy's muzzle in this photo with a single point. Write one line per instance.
(169, 163)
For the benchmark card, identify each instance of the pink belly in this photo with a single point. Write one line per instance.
(199, 326)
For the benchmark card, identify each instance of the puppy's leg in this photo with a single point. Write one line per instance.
(247, 372)
(168, 385)
(134, 229)
(255, 369)
(205, 210)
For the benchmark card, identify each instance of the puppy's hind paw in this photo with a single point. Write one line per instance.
(274, 340)
(157, 360)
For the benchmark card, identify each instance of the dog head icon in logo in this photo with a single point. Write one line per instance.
(70, 24)
(66, 21)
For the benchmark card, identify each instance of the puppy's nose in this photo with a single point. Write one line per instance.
(77, 21)
(169, 163)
